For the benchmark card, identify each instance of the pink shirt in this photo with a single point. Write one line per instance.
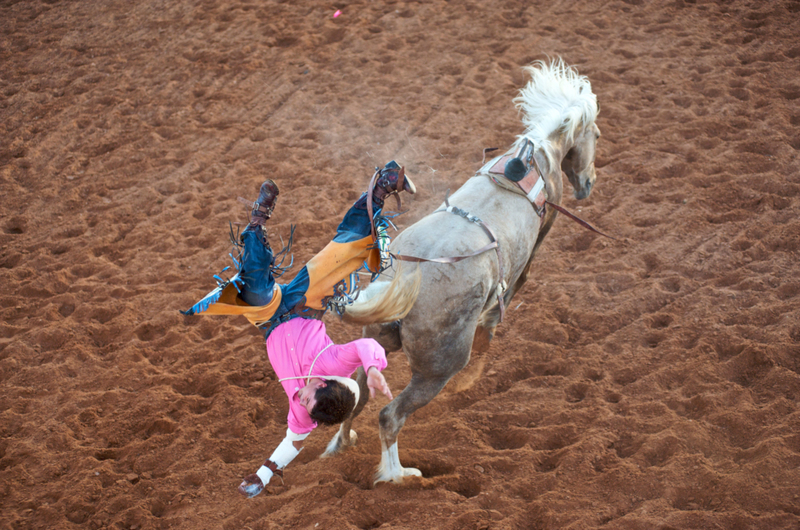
(293, 346)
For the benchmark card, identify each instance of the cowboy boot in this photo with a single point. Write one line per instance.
(263, 206)
(390, 180)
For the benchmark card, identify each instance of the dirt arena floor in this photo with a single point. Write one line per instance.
(647, 383)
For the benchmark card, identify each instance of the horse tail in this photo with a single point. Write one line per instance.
(384, 302)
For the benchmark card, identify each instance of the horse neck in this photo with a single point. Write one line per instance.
(551, 171)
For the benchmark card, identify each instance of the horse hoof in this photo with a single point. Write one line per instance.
(337, 445)
(398, 479)
(353, 438)
(411, 472)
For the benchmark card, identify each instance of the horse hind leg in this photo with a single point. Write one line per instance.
(387, 335)
(419, 392)
(346, 436)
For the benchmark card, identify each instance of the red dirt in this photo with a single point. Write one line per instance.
(650, 382)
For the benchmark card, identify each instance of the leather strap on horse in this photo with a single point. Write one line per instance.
(493, 244)
(514, 187)
(510, 187)
(578, 219)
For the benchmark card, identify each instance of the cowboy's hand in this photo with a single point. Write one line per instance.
(376, 381)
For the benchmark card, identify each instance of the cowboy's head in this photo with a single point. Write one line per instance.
(331, 400)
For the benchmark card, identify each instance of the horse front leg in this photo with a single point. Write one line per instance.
(388, 336)
(419, 392)
(346, 436)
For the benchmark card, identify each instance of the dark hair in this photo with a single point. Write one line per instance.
(334, 403)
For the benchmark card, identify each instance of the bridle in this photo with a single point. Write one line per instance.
(534, 187)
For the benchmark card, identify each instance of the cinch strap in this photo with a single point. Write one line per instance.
(493, 244)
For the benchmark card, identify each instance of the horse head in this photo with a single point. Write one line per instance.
(578, 163)
(559, 111)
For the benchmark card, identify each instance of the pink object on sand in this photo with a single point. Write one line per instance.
(338, 12)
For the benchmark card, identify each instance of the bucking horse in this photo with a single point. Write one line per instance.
(473, 253)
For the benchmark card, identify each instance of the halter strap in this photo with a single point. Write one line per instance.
(516, 188)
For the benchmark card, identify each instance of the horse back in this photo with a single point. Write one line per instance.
(468, 287)
(441, 234)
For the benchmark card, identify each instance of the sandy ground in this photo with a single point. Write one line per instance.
(650, 382)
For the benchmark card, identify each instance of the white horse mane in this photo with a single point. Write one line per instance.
(556, 98)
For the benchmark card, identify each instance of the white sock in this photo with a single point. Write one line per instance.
(284, 453)
(265, 474)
